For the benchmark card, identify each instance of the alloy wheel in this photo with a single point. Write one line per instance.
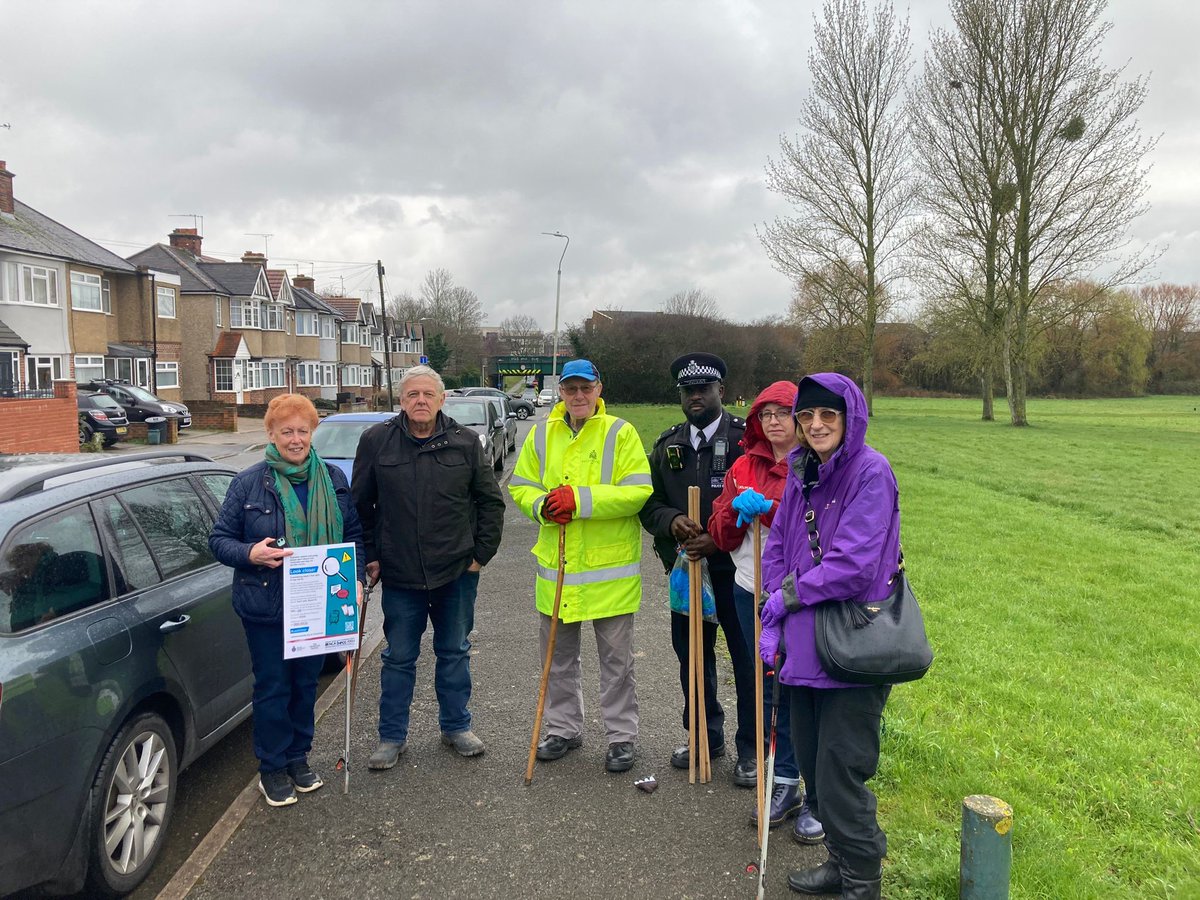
(138, 802)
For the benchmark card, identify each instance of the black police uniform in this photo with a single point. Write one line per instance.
(674, 466)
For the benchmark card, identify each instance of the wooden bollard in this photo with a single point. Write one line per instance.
(985, 855)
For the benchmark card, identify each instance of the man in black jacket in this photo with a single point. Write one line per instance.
(699, 452)
(432, 515)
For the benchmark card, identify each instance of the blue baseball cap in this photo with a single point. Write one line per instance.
(580, 368)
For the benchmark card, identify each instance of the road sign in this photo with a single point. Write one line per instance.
(424, 360)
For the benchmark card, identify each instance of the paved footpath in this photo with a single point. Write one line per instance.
(439, 825)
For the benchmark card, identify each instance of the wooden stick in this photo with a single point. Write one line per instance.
(691, 623)
(704, 767)
(541, 704)
(758, 682)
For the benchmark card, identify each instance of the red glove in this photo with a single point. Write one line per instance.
(559, 505)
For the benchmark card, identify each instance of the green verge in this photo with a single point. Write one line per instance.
(1059, 571)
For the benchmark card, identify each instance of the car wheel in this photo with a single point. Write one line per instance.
(522, 413)
(85, 434)
(132, 800)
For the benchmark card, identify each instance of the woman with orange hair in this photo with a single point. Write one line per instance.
(290, 499)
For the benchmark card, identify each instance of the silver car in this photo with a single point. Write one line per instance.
(480, 416)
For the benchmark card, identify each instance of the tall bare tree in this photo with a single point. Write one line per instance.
(692, 302)
(846, 174)
(521, 334)
(447, 309)
(1170, 313)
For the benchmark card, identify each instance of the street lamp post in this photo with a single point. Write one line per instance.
(557, 294)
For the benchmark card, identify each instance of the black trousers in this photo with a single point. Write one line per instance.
(739, 656)
(835, 732)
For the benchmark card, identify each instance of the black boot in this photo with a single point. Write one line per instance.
(824, 879)
(861, 882)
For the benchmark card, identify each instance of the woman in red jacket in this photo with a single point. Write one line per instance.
(755, 479)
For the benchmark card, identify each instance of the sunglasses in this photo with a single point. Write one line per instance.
(827, 416)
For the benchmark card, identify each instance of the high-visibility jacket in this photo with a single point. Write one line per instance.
(606, 467)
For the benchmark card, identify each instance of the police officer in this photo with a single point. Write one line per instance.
(699, 451)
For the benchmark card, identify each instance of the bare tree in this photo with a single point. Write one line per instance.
(692, 302)
(1170, 313)
(522, 335)
(847, 174)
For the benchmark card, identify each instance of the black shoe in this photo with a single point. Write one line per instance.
(387, 754)
(619, 757)
(304, 778)
(824, 879)
(555, 747)
(862, 881)
(277, 787)
(681, 757)
(745, 773)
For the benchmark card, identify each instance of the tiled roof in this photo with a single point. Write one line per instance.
(227, 344)
(306, 299)
(276, 278)
(29, 231)
(346, 306)
(237, 277)
(9, 338)
(168, 259)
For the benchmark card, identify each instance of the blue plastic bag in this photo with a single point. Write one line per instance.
(681, 595)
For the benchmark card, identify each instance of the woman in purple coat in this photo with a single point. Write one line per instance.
(850, 492)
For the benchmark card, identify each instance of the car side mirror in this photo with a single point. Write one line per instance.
(512, 415)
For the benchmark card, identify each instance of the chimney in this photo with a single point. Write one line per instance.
(186, 239)
(257, 259)
(304, 281)
(6, 192)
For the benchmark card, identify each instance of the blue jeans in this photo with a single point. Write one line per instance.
(786, 770)
(451, 609)
(285, 692)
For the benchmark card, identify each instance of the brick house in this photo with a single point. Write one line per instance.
(316, 374)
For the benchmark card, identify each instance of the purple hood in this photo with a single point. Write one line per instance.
(856, 504)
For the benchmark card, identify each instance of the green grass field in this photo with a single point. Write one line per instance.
(1059, 571)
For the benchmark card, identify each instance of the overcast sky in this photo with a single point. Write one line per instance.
(451, 134)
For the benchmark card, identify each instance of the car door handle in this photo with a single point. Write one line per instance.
(174, 624)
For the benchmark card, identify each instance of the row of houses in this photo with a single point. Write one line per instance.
(183, 325)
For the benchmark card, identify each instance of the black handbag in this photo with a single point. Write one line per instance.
(871, 642)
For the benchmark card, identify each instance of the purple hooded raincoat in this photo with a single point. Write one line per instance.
(858, 515)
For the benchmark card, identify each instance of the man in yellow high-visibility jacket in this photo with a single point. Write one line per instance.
(587, 470)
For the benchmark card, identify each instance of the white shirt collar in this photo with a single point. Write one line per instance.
(708, 432)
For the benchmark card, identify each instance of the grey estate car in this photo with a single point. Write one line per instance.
(121, 660)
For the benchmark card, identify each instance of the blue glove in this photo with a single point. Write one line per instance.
(750, 503)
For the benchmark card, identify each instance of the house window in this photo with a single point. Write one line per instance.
(88, 368)
(328, 375)
(223, 374)
(37, 285)
(349, 333)
(274, 373)
(328, 327)
(86, 292)
(377, 343)
(274, 317)
(217, 310)
(306, 324)
(251, 374)
(308, 374)
(166, 374)
(166, 303)
(245, 314)
(42, 371)
(106, 296)
(364, 336)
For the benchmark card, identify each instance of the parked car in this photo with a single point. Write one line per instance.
(121, 660)
(139, 404)
(547, 398)
(523, 408)
(336, 437)
(100, 414)
(477, 414)
(507, 416)
(530, 395)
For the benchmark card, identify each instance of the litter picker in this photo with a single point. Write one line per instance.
(699, 759)
(766, 832)
(351, 688)
(760, 789)
(541, 703)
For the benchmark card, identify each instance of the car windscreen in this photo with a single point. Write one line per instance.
(338, 440)
(465, 413)
(138, 393)
(103, 401)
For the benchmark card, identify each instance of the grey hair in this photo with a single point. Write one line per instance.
(421, 372)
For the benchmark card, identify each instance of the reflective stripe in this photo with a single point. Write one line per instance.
(594, 576)
(539, 445)
(639, 478)
(537, 508)
(517, 479)
(585, 503)
(608, 458)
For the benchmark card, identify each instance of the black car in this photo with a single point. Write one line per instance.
(139, 404)
(121, 660)
(100, 414)
(522, 407)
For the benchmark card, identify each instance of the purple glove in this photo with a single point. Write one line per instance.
(773, 610)
(768, 644)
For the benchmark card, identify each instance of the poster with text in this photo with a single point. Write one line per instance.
(320, 600)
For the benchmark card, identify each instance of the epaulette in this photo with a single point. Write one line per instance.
(738, 421)
(670, 431)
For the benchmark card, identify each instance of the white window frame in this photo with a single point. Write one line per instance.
(168, 295)
(329, 328)
(87, 292)
(88, 363)
(350, 333)
(35, 275)
(272, 317)
(223, 374)
(364, 336)
(35, 364)
(306, 324)
(274, 373)
(308, 374)
(217, 311)
(13, 365)
(251, 374)
(106, 296)
(329, 375)
(245, 314)
(166, 375)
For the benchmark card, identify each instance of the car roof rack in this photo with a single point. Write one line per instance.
(35, 482)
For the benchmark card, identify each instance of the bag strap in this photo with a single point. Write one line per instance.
(814, 542)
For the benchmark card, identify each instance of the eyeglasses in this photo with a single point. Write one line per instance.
(572, 389)
(827, 416)
(768, 414)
